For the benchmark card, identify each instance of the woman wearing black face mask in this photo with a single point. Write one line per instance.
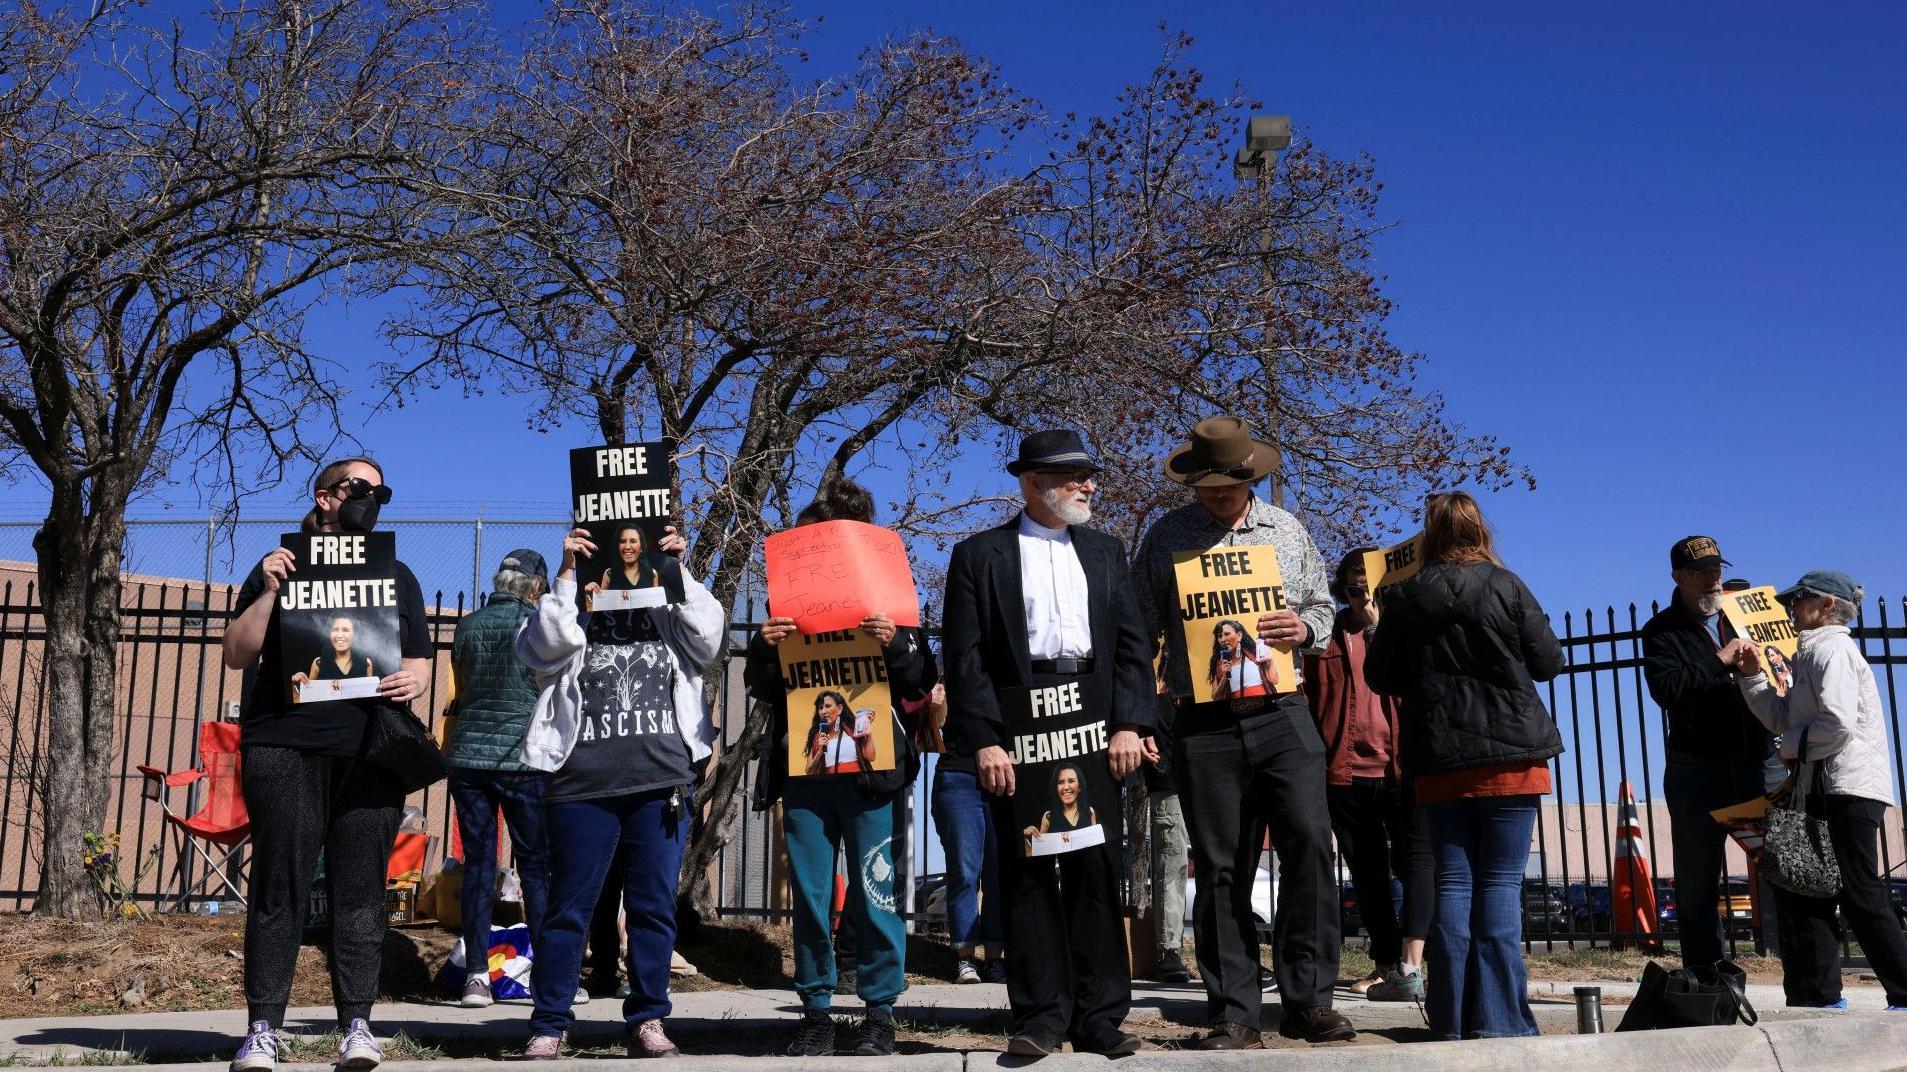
(306, 791)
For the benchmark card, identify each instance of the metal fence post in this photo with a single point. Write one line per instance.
(476, 560)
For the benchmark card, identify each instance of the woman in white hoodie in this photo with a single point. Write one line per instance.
(1833, 711)
(619, 724)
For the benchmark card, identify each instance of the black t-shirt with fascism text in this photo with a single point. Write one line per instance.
(629, 741)
(335, 727)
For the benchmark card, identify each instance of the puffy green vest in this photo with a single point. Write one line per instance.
(495, 691)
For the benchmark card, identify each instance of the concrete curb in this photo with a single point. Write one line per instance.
(1851, 1043)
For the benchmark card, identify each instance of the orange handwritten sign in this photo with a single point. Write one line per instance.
(827, 577)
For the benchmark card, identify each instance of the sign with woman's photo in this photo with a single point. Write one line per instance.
(622, 494)
(840, 710)
(1064, 797)
(338, 615)
(1759, 618)
(1222, 592)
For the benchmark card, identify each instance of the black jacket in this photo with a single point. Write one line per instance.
(1706, 713)
(1463, 647)
(910, 677)
(984, 634)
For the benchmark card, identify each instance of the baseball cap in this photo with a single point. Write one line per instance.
(524, 560)
(1696, 552)
(1827, 582)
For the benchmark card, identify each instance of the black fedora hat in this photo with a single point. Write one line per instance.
(1061, 447)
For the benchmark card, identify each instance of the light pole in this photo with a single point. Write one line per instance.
(1265, 137)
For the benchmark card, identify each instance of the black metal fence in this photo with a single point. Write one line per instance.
(172, 680)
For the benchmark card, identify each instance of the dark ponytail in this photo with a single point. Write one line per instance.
(329, 477)
(838, 499)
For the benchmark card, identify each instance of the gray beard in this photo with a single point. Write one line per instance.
(1709, 604)
(1068, 511)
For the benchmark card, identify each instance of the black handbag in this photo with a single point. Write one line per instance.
(1797, 854)
(1680, 999)
(397, 744)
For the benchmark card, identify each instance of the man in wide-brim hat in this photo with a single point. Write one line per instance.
(1042, 601)
(1254, 760)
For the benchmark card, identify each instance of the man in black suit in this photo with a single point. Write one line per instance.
(1043, 600)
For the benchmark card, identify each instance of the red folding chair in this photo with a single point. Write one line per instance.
(221, 819)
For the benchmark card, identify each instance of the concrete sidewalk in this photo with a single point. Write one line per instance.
(727, 1021)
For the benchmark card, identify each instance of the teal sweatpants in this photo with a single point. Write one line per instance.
(818, 814)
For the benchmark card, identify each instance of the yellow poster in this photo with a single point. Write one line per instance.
(1758, 617)
(840, 713)
(1222, 591)
(1393, 565)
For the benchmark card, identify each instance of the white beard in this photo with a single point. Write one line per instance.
(1060, 501)
(1709, 604)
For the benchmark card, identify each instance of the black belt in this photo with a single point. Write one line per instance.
(1063, 666)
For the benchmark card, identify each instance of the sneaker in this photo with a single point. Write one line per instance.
(1267, 981)
(649, 1040)
(542, 1048)
(624, 991)
(1829, 1006)
(1399, 986)
(993, 971)
(1363, 986)
(1172, 969)
(1226, 1035)
(815, 1036)
(1319, 1023)
(1897, 1008)
(259, 1051)
(359, 1048)
(965, 972)
(582, 996)
(476, 992)
(844, 983)
(877, 1033)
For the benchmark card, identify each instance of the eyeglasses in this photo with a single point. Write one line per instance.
(1069, 478)
(357, 487)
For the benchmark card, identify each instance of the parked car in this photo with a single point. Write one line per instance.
(1350, 919)
(930, 900)
(1897, 893)
(1736, 908)
(1264, 895)
(1544, 909)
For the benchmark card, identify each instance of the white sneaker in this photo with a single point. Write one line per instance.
(582, 996)
(359, 1049)
(965, 972)
(476, 992)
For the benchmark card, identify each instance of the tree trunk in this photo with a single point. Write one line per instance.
(79, 555)
(724, 796)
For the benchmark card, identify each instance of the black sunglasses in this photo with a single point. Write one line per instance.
(357, 487)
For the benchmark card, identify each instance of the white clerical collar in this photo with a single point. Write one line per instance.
(1030, 527)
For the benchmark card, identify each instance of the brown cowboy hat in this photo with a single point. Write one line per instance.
(1222, 452)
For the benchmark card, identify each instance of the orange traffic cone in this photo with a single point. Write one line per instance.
(1631, 887)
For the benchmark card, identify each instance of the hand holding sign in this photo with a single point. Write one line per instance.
(832, 576)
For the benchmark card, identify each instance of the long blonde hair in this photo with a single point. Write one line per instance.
(1455, 532)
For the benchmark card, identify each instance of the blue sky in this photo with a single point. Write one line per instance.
(1655, 247)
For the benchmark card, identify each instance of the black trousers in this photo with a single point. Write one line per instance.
(1239, 777)
(1067, 976)
(1380, 834)
(301, 802)
(1810, 944)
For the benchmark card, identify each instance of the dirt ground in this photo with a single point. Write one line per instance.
(184, 963)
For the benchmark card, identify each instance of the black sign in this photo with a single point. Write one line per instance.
(622, 495)
(337, 615)
(1064, 795)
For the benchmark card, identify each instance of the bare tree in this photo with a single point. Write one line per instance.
(896, 269)
(172, 201)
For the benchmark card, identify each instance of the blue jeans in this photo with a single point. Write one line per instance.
(965, 824)
(818, 814)
(643, 832)
(477, 794)
(1478, 987)
(1695, 786)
